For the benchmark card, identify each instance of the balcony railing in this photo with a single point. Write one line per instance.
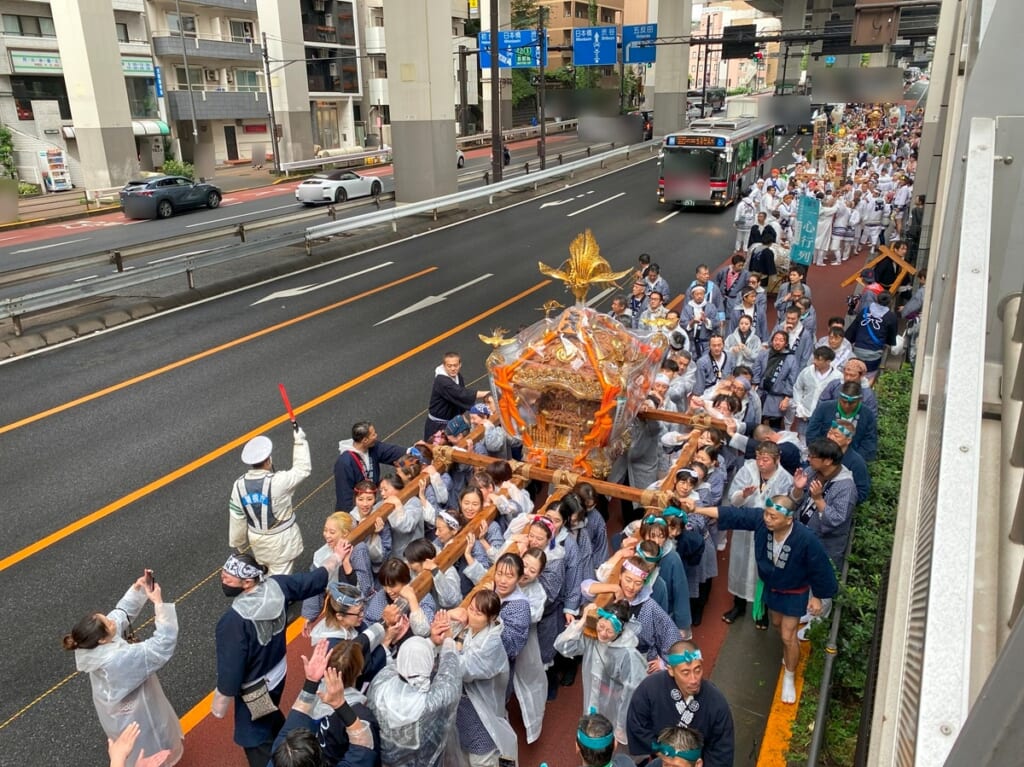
(217, 104)
(167, 43)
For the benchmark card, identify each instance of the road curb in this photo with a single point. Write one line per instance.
(33, 222)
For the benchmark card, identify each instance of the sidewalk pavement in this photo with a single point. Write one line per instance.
(61, 206)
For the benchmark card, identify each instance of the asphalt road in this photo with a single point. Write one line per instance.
(120, 449)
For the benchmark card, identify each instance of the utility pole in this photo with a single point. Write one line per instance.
(270, 106)
(707, 54)
(542, 146)
(463, 91)
(188, 81)
(497, 159)
(785, 60)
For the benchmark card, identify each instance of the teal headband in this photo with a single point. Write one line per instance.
(841, 429)
(612, 618)
(770, 504)
(653, 560)
(595, 743)
(691, 756)
(675, 511)
(650, 519)
(686, 656)
(849, 397)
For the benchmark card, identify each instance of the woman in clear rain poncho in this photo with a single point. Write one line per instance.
(482, 733)
(612, 665)
(414, 710)
(125, 687)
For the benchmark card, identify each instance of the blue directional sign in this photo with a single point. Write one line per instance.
(633, 37)
(594, 47)
(517, 49)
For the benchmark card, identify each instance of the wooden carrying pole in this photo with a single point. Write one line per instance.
(487, 579)
(685, 458)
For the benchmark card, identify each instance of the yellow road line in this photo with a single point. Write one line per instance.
(198, 463)
(204, 354)
(778, 730)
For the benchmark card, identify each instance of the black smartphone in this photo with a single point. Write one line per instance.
(149, 579)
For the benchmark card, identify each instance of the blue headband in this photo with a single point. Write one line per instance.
(415, 453)
(660, 748)
(653, 520)
(612, 618)
(686, 656)
(595, 743)
(770, 504)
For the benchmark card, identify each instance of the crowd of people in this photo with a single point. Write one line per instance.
(546, 586)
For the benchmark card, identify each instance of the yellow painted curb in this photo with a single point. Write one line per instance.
(778, 730)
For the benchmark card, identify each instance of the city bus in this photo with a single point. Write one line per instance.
(714, 161)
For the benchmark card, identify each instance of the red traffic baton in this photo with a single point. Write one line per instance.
(288, 406)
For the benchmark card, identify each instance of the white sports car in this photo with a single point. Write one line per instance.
(336, 186)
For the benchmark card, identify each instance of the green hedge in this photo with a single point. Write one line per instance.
(874, 523)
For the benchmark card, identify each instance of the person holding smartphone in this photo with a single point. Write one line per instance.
(125, 688)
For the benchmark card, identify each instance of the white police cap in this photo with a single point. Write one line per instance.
(257, 450)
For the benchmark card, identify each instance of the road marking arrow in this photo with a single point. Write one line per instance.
(303, 289)
(431, 300)
(556, 203)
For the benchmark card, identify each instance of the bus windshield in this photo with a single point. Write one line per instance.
(706, 163)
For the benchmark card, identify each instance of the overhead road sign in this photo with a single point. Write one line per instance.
(638, 43)
(594, 47)
(517, 49)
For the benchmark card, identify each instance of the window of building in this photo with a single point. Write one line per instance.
(26, 88)
(186, 24)
(377, 17)
(195, 75)
(380, 68)
(242, 31)
(122, 32)
(28, 26)
(247, 80)
(344, 22)
(141, 97)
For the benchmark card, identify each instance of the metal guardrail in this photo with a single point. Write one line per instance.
(352, 160)
(117, 256)
(514, 134)
(15, 308)
(432, 206)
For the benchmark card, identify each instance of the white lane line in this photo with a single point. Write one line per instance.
(584, 210)
(599, 296)
(663, 219)
(4, 239)
(86, 279)
(179, 255)
(51, 245)
(241, 215)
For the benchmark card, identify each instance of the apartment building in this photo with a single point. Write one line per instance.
(195, 81)
(212, 82)
(373, 114)
(34, 98)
